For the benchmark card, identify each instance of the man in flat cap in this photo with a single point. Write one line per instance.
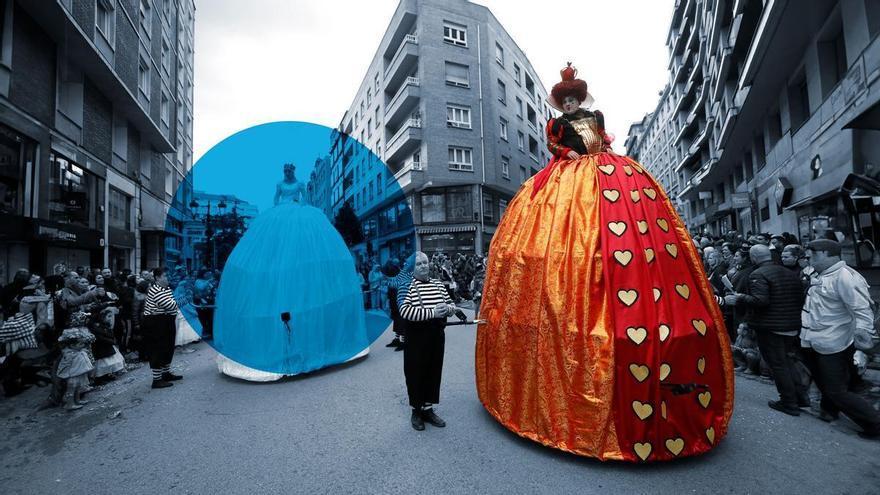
(836, 313)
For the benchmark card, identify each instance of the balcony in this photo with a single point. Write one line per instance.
(724, 59)
(687, 159)
(403, 102)
(727, 125)
(404, 176)
(701, 139)
(405, 140)
(401, 64)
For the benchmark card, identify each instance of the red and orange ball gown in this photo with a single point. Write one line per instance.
(598, 311)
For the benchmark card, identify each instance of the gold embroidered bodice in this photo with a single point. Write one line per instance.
(588, 129)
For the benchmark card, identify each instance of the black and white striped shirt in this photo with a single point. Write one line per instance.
(418, 305)
(160, 301)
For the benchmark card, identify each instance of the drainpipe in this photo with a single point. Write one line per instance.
(482, 139)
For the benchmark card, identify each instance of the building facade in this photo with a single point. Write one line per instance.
(96, 123)
(455, 110)
(775, 118)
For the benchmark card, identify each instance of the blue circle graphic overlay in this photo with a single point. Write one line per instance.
(281, 244)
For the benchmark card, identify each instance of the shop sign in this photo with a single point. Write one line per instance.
(740, 200)
(54, 234)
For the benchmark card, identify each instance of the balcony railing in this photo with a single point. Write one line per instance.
(410, 38)
(411, 123)
(410, 81)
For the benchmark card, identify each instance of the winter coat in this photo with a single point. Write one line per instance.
(774, 299)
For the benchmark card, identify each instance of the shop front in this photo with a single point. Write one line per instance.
(447, 239)
(57, 247)
(851, 216)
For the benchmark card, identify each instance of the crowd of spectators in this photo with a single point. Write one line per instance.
(77, 329)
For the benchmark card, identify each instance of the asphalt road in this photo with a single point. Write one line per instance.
(347, 430)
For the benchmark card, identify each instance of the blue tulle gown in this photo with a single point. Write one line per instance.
(291, 259)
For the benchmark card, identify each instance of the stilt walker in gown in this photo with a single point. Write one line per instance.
(602, 334)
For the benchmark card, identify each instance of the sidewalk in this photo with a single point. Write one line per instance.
(27, 414)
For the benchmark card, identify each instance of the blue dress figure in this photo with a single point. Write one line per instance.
(290, 260)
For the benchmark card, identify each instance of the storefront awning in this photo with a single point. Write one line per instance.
(855, 186)
(443, 229)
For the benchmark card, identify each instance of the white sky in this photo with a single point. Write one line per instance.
(267, 60)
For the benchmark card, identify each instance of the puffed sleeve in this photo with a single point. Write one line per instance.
(554, 136)
(600, 121)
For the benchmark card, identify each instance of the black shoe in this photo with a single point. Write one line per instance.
(162, 384)
(401, 347)
(171, 377)
(827, 416)
(394, 343)
(779, 406)
(431, 417)
(416, 420)
(804, 403)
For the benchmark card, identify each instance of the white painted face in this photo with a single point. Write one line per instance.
(570, 104)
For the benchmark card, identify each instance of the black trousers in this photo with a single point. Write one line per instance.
(777, 351)
(423, 361)
(831, 372)
(206, 319)
(159, 332)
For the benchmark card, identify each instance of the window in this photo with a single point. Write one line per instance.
(166, 57)
(505, 167)
(533, 148)
(145, 16)
(532, 117)
(369, 96)
(488, 205)
(370, 188)
(517, 74)
(499, 54)
(522, 174)
(376, 83)
(458, 116)
(521, 140)
(376, 117)
(832, 58)
(457, 75)
(774, 128)
(459, 205)
(502, 207)
(433, 207)
(502, 130)
(519, 105)
(455, 34)
(105, 19)
(369, 126)
(798, 102)
(461, 159)
(760, 151)
(530, 87)
(75, 195)
(502, 92)
(144, 77)
(164, 110)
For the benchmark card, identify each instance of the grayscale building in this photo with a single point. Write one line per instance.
(454, 108)
(775, 119)
(96, 101)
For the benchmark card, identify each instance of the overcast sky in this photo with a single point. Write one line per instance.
(269, 60)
